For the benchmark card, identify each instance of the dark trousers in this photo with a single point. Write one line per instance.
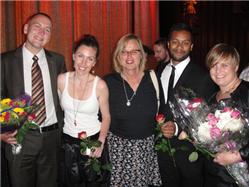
(73, 171)
(37, 163)
(4, 168)
(185, 173)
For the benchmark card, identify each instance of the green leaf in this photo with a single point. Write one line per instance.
(193, 156)
(107, 167)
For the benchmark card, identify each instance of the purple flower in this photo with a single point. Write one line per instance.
(230, 145)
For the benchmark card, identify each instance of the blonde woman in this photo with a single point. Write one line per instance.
(133, 107)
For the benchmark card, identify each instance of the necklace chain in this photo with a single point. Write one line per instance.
(128, 100)
(76, 109)
(226, 93)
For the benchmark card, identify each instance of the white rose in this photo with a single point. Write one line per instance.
(233, 125)
(204, 133)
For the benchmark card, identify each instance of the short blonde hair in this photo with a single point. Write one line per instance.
(222, 51)
(120, 47)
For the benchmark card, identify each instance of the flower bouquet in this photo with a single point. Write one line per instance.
(96, 169)
(16, 114)
(212, 129)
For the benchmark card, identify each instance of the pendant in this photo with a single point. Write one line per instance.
(75, 122)
(128, 103)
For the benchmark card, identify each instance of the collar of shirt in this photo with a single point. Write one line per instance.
(179, 68)
(27, 55)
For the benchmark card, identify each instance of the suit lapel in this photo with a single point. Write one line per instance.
(17, 72)
(186, 74)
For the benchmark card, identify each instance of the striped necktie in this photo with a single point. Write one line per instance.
(38, 98)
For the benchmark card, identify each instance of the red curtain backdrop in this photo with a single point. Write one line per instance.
(107, 20)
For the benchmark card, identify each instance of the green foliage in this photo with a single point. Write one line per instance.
(96, 165)
(93, 163)
(193, 156)
(24, 129)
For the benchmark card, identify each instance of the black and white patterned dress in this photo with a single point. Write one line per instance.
(131, 137)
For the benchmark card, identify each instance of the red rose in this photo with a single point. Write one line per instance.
(194, 103)
(160, 118)
(7, 117)
(31, 117)
(82, 135)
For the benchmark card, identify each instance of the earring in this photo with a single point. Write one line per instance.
(92, 70)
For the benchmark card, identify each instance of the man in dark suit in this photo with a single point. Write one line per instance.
(189, 75)
(36, 164)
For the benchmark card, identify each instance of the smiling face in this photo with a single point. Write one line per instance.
(180, 45)
(223, 72)
(84, 59)
(130, 56)
(38, 31)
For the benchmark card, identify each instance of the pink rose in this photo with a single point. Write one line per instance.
(215, 132)
(227, 109)
(212, 120)
(235, 114)
(82, 135)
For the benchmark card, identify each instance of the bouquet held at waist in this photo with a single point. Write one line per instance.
(220, 127)
(17, 114)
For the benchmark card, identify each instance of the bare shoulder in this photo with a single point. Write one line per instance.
(61, 81)
(61, 78)
(101, 85)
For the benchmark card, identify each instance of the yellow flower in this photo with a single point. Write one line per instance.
(5, 101)
(18, 110)
(1, 119)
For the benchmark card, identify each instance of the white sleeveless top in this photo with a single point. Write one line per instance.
(87, 115)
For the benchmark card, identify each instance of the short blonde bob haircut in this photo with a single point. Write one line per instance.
(120, 47)
(222, 51)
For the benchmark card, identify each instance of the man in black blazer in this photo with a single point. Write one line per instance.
(189, 75)
(36, 164)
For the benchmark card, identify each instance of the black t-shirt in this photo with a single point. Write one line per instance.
(136, 121)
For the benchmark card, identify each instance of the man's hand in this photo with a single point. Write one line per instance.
(168, 129)
(9, 137)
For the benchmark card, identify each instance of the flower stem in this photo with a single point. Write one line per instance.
(201, 149)
(170, 152)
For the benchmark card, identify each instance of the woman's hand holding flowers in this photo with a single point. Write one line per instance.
(227, 158)
(97, 151)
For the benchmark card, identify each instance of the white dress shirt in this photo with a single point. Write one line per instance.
(27, 66)
(179, 68)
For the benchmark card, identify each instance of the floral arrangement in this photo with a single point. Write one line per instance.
(163, 144)
(17, 114)
(86, 147)
(212, 129)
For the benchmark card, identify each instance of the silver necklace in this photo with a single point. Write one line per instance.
(128, 100)
(76, 109)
